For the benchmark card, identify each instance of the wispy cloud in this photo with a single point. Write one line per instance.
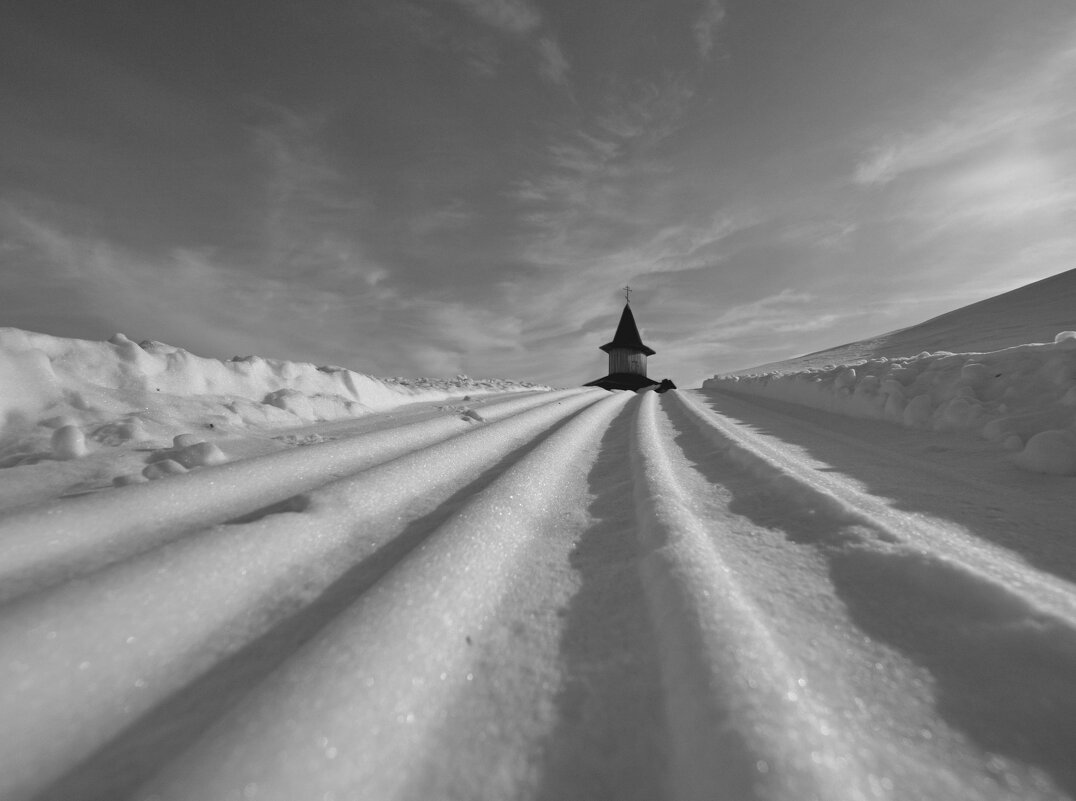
(195, 299)
(762, 330)
(478, 51)
(510, 16)
(782, 312)
(450, 217)
(522, 19)
(707, 25)
(552, 65)
(1013, 182)
(1006, 189)
(689, 241)
(590, 235)
(1010, 114)
(946, 142)
(578, 182)
(307, 203)
(651, 112)
(970, 197)
(832, 233)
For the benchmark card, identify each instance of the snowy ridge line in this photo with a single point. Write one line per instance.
(714, 644)
(55, 541)
(949, 546)
(386, 669)
(1023, 398)
(242, 580)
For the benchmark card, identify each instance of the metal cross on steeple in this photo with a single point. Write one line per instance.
(627, 294)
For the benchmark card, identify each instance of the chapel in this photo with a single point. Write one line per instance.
(627, 355)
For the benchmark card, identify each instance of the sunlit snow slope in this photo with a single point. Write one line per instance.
(1032, 313)
(541, 594)
(1003, 369)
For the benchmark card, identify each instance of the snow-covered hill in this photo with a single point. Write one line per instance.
(1032, 313)
(970, 370)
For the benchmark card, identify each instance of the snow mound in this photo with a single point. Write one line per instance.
(62, 399)
(1022, 397)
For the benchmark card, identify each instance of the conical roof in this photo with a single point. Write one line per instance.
(627, 335)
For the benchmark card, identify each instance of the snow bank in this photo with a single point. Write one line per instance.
(61, 398)
(1023, 397)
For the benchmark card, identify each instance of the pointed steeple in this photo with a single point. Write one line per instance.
(627, 356)
(627, 335)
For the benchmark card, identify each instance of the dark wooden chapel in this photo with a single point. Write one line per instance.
(627, 355)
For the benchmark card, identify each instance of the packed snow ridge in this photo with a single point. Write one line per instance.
(1023, 398)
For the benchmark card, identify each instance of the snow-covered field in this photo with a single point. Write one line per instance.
(254, 579)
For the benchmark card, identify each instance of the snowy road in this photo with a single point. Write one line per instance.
(569, 595)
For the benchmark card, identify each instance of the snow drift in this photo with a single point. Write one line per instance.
(62, 398)
(1022, 397)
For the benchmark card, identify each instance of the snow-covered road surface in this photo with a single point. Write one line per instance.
(570, 595)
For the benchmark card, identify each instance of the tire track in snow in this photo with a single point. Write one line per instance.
(783, 551)
(610, 737)
(908, 586)
(359, 704)
(212, 592)
(943, 475)
(385, 573)
(566, 703)
(948, 547)
(736, 701)
(56, 541)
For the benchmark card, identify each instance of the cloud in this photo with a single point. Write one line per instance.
(520, 19)
(774, 327)
(553, 66)
(510, 16)
(1012, 185)
(971, 194)
(578, 184)
(944, 144)
(479, 52)
(780, 312)
(450, 217)
(685, 245)
(1005, 189)
(707, 25)
(604, 212)
(197, 299)
(585, 227)
(305, 199)
(592, 238)
(1013, 114)
(194, 299)
(654, 110)
(832, 234)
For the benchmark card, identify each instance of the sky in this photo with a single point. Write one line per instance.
(435, 187)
